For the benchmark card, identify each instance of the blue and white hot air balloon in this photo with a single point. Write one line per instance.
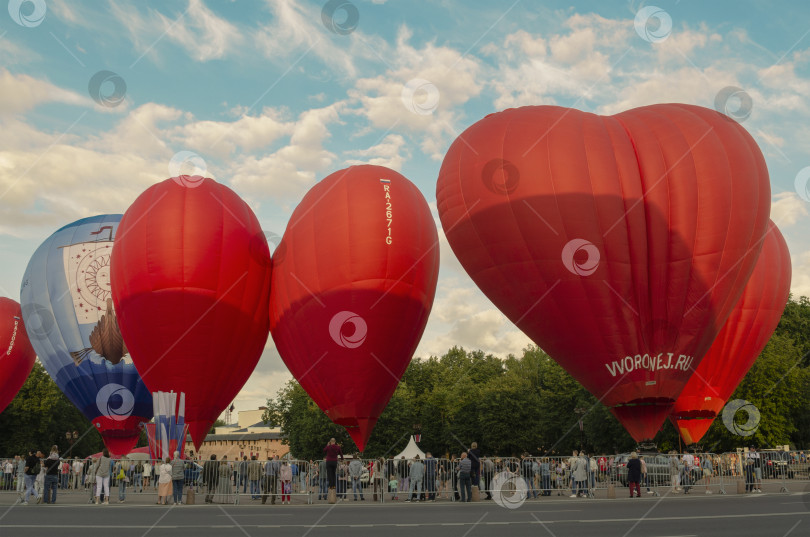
(68, 312)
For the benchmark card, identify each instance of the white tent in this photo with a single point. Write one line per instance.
(411, 451)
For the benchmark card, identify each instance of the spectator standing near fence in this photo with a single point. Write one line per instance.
(178, 475)
(688, 466)
(323, 481)
(77, 471)
(430, 477)
(30, 472)
(464, 479)
(286, 476)
(757, 466)
(402, 473)
(271, 471)
(708, 471)
(674, 472)
(355, 473)
(20, 460)
(254, 473)
(474, 455)
(164, 481)
(580, 471)
(242, 473)
(8, 474)
(122, 475)
(572, 466)
(64, 475)
(527, 472)
(210, 478)
(634, 474)
(645, 477)
(545, 477)
(51, 480)
(487, 472)
(332, 452)
(416, 473)
(137, 476)
(101, 469)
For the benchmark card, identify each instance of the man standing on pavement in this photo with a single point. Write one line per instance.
(243, 477)
(430, 477)
(464, 481)
(78, 468)
(20, 474)
(323, 481)
(488, 470)
(475, 460)
(211, 478)
(51, 475)
(415, 476)
(30, 472)
(271, 471)
(356, 472)
(254, 472)
(178, 476)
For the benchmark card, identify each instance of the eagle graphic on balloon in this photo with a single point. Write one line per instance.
(613, 242)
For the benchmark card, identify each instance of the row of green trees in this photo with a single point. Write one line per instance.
(529, 403)
(521, 403)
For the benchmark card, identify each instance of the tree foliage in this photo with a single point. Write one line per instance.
(40, 415)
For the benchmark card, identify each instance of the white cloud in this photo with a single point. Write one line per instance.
(288, 171)
(388, 153)
(22, 93)
(787, 208)
(800, 283)
(297, 30)
(451, 78)
(204, 35)
(222, 138)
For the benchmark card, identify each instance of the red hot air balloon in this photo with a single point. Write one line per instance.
(191, 280)
(745, 334)
(619, 244)
(353, 284)
(18, 356)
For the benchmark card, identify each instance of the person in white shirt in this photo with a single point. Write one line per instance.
(757, 463)
(147, 473)
(8, 468)
(78, 468)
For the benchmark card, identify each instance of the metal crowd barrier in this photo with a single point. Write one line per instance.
(386, 480)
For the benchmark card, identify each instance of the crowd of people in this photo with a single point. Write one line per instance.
(350, 477)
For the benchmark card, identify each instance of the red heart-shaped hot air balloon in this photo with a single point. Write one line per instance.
(191, 280)
(619, 244)
(737, 346)
(353, 283)
(18, 356)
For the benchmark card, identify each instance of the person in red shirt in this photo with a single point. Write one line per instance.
(331, 453)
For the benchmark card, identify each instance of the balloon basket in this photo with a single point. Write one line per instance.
(647, 447)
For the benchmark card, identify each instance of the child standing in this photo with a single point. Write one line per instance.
(286, 483)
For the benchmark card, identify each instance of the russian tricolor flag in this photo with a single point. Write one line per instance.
(385, 181)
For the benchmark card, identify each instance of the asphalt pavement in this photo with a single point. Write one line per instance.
(767, 514)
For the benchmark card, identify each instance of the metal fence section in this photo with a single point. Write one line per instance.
(433, 479)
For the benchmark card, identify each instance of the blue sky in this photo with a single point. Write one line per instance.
(272, 98)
